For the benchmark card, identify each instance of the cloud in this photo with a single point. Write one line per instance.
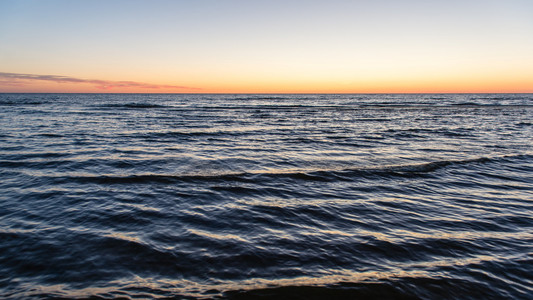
(16, 78)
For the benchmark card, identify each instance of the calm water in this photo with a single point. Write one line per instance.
(238, 196)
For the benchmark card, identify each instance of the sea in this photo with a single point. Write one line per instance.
(263, 196)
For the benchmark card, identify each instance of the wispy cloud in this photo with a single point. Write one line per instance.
(18, 78)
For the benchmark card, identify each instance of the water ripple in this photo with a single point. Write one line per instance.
(264, 196)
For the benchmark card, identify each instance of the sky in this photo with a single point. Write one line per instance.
(288, 46)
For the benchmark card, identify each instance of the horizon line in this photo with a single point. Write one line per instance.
(270, 93)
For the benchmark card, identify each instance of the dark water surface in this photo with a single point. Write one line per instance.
(266, 196)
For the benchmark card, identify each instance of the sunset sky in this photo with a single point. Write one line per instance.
(217, 46)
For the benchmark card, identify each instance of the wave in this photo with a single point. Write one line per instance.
(290, 107)
(343, 174)
(514, 97)
(132, 105)
(272, 107)
(490, 105)
(264, 98)
(365, 285)
(384, 289)
(21, 103)
(471, 104)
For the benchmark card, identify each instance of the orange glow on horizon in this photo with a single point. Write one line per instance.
(491, 85)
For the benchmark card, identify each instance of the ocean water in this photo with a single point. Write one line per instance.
(266, 196)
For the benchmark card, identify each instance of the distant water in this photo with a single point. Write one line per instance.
(266, 196)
